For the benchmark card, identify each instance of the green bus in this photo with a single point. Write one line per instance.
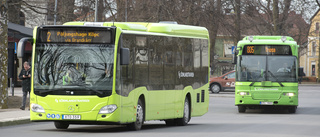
(266, 73)
(118, 73)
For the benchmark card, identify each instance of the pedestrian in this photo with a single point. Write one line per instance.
(25, 76)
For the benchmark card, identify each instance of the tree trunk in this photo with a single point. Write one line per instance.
(121, 10)
(275, 13)
(237, 22)
(285, 15)
(67, 12)
(14, 7)
(214, 32)
(101, 12)
(3, 55)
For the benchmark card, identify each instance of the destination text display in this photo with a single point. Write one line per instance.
(267, 50)
(74, 35)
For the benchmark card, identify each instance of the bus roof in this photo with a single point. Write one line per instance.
(272, 40)
(163, 28)
(269, 38)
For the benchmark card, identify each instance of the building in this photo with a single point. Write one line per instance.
(310, 55)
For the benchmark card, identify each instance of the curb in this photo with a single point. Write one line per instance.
(309, 84)
(222, 95)
(15, 121)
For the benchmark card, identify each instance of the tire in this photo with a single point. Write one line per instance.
(215, 88)
(241, 109)
(61, 125)
(140, 117)
(186, 114)
(292, 109)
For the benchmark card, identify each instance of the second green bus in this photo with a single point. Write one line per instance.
(267, 73)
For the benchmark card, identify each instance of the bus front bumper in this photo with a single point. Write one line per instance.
(77, 118)
(282, 101)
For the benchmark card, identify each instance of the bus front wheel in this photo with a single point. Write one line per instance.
(61, 125)
(292, 109)
(241, 109)
(186, 114)
(140, 117)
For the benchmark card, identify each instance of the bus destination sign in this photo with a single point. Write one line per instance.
(267, 50)
(74, 35)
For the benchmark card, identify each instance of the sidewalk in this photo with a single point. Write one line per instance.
(14, 115)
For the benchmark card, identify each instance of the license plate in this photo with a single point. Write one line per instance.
(266, 103)
(71, 116)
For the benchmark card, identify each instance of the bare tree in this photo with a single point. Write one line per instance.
(214, 18)
(275, 15)
(66, 11)
(250, 17)
(237, 22)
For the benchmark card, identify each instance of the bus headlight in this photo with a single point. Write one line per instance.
(37, 108)
(289, 94)
(244, 93)
(108, 109)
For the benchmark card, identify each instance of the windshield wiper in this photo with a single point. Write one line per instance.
(276, 78)
(254, 80)
(88, 88)
(42, 91)
(45, 92)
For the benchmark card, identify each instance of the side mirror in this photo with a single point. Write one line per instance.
(234, 57)
(226, 78)
(124, 56)
(22, 43)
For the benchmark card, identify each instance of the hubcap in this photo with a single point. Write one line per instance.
(139, 114)
(215, 88)
(186, 112)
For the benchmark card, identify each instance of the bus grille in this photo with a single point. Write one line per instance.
(266, 95)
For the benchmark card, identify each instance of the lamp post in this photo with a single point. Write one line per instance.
(318, 76)
(55, 12)
(126, 11)
(96, 12)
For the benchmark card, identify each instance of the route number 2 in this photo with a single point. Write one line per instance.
(48, 36)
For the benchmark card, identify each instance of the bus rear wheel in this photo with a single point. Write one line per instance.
(140, 117)
(186, 114)
(61, 125)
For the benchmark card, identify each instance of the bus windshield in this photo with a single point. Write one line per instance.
(267, 68)
(73, 69)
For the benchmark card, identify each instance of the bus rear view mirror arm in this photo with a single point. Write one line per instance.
(124, 56)
(21, 45)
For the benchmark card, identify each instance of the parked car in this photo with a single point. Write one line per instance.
(226, 81)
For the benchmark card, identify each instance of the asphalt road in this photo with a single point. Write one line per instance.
(222, 119)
